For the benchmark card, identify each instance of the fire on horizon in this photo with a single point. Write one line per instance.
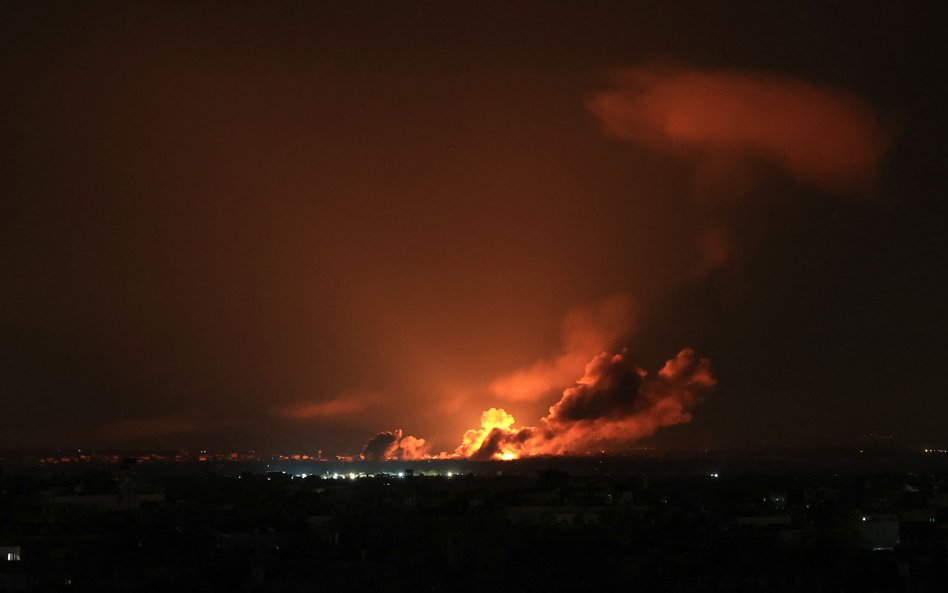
(475, 230)
(614, 402)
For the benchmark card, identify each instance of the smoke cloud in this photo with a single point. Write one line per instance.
(823, 137)
(614, 402)
(585, 332)
(390, 445)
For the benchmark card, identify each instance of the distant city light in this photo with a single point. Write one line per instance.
(715, 475)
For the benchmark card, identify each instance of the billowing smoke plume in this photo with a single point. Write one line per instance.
(824, 137)
(393, 445)
(586, 331)
(614, 402)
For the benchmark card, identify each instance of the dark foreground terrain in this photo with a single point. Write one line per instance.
(834, 524)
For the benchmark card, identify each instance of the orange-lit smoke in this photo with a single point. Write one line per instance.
(393, 444)
(614, 402)
(824, 137)
(585, 332)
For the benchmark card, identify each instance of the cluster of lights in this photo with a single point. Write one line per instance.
(936, 450)
(349, 476)
(356, 476)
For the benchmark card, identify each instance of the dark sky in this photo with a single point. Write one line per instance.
(288, 225)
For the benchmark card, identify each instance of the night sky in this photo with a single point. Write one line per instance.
(295, 225)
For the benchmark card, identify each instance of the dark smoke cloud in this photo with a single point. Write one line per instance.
(614, 393)
(381, 446)
(614, 402)
(393, 445)
(500, 440)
